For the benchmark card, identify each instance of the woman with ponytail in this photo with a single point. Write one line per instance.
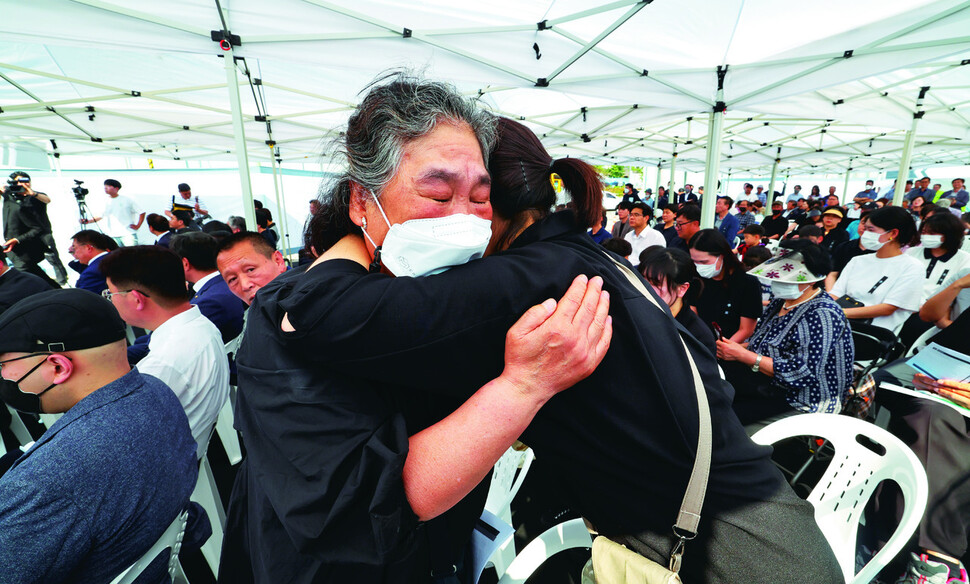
(606, 439)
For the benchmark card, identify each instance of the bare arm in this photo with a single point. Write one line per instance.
(137, 225)
(937, 307)
(873, 311)
(731, 351)
(549, 349)
(745, 330)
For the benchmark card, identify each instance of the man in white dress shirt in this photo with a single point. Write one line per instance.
(147, 285)
(640, 237)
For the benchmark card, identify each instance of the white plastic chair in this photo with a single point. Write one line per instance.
(841, 494)
(567, 535)
(207, 495)
(170, 540)
(507, 478)
(922, 341)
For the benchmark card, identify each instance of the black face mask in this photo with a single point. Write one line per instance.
(18, 399)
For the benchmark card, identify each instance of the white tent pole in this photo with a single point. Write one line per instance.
(279, 205)
(715, 130)
(658, 183)
(673, 170)
(843, 199)
(242, 157)
(908, 150)
(771, 183)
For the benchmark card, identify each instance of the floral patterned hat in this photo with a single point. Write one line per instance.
(785, 266)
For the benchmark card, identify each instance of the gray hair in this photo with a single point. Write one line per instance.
(237, 222)
(398, 108)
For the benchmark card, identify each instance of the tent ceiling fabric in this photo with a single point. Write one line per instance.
(832, 83)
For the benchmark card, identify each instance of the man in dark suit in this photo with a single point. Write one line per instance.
(88, 247)
(213, 297)
(180, 222)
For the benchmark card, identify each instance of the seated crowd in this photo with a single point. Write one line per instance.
(364, 463)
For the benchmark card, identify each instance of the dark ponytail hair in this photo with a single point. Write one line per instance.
(521, 187)
(889, 218)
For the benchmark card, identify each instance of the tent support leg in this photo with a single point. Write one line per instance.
(715, 129)
(771, 184)
(242, 156)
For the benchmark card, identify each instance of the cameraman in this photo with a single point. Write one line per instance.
(26, 228)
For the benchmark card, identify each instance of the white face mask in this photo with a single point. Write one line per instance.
(423, 247)
(785, 290)
(931, 241)
(870, 241)
(708, 270)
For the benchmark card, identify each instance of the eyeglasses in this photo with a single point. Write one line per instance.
(678, 224)
(107, 294)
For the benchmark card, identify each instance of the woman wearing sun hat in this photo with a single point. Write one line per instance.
(799, 358)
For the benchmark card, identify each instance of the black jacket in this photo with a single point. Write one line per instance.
(24, 219)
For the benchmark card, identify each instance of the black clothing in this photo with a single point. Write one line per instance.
(16, 285)
(446, 333)
(775, 225)
(695, 326)
(166, 238)
(834, 238)
(678, 243)
(726, 301)
(845, 251)
(633, 197)
(320, 495)
(270, 236)
(669, 233)
(25, 220)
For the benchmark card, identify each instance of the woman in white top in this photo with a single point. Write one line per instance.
(888, 283)
(941, 237)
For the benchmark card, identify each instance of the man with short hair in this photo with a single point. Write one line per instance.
(265, 228)
(922, 189)
(760, 195)
(179, 222)
(868, 194)
(157, 226)
(121, 217)
(212, 295)
(247, 263)
(744, 217)
(958, 196)
(748, 194)
(237, 223)
(88, 248)
(622, 227)
(832, 192)
(630, 194)
(146, 283)
(724, 221)
(687, 223)
(796, 194)
(640, 237)
(666, 225)
(775, 225)
(99, 488)
(186, 202)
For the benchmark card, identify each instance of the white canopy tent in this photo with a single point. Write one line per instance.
(824, 86)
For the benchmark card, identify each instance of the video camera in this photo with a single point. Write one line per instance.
(15, 188)
(79, 191)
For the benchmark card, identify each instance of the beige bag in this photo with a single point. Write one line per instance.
(614, 563)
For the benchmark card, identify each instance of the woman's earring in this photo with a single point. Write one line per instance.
(363, 223)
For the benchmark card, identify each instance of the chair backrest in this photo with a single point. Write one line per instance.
(865, 455)
(507, 477)
(171, 541)
(922, 341)
(874, 343)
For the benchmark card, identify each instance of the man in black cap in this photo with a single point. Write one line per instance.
(105, 481)
(25, 225)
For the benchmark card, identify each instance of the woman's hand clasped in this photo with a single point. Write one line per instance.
(554, 345)
(728, 350)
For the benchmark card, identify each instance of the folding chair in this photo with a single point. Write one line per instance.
(874, 347)
(206, 494)
(567, 535)
(171, 540)
(864, 456)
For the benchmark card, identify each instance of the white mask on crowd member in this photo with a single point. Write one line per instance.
(423, 247)
(709, 270)
(870, 241)
(931, 241)
(785, 290)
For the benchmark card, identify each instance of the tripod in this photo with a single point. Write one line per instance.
(85, 212)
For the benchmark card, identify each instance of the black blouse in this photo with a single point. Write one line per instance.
(726, 301)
